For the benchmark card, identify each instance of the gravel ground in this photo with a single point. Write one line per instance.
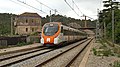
(99, 61)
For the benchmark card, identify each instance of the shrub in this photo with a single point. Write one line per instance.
(94, 51)
(107, 52)
(21, 43)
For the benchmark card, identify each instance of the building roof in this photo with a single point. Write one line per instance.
(28, 14)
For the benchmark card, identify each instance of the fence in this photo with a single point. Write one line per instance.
(12, 40)
(33, 39)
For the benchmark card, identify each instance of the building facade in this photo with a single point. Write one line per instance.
(27, 23)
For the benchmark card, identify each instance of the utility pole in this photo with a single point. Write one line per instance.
(113, 26)
(11, 25)
(50, 15)
(96, 31)
(104, 30)
(85, 22)
(112, 10)
(97, 25)
(55, 11)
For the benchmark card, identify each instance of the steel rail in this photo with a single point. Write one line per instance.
(74, 58)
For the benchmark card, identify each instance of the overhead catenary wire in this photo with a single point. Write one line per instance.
(31, 6)
(18, 3)
(81, 11)
(48, 7)
(72, 8)
(55, 10)
(77, 7)
(45, 5)
(83, 15)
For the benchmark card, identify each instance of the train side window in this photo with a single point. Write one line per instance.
(65, 32)
(61, 29)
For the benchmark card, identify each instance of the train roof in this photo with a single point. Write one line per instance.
(66, 27)
(70, 28)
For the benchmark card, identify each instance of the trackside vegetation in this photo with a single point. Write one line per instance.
(105, 19)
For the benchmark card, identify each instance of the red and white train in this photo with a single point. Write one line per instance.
(54, 33)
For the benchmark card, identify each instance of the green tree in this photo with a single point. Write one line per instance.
(106, 16)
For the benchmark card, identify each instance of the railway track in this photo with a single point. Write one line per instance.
(8, 61)
(78, 54)
(68, 64)
(8, 56)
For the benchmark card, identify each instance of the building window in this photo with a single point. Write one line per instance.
(26, 21)
(32, 29)
(26, 29)
(32, 20)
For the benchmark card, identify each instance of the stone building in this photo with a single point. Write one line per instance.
(27, 23)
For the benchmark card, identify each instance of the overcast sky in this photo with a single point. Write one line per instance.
(87, 7)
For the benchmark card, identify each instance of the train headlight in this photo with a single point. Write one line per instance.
(42, 40)
(55, 40)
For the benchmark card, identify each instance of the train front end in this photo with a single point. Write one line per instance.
(50, 34)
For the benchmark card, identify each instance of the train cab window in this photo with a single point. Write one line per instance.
(50, 29)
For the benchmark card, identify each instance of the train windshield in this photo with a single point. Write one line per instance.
(50, 29)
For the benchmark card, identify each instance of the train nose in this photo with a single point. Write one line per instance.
(49, 39)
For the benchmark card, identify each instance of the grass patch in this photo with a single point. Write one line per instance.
(117, 51)
(103, 52)
(107, 53)
(23, 43)
(103, 44)
(116, 64)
